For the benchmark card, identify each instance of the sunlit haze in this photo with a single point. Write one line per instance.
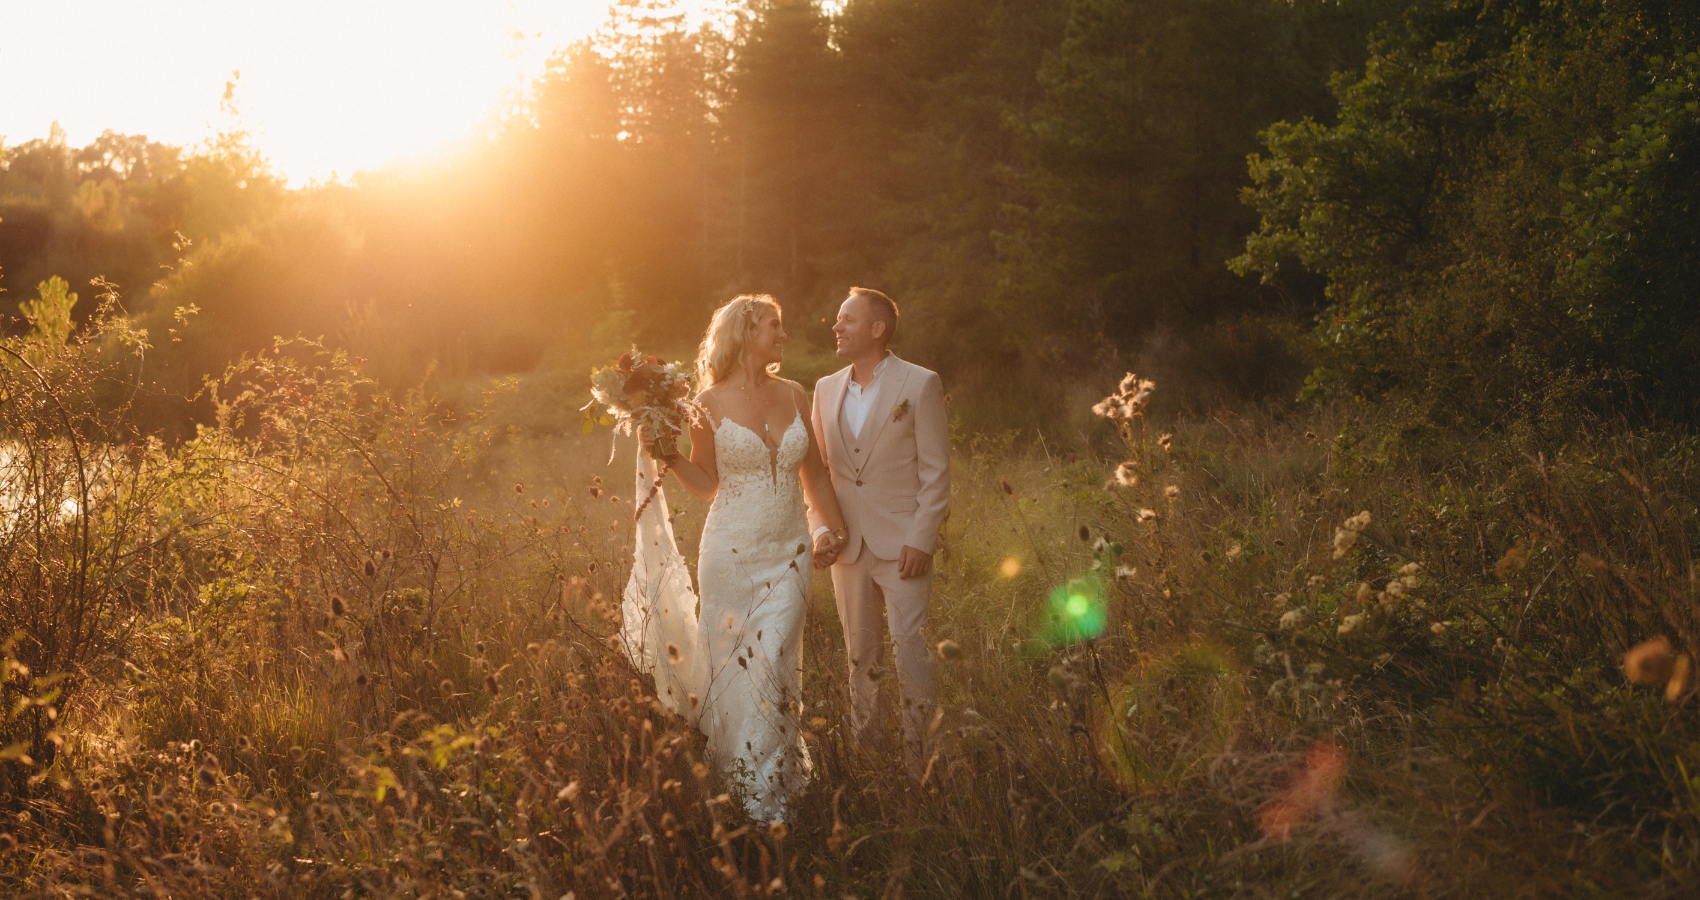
(327, 87)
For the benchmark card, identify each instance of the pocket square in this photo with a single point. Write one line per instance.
(899, 411)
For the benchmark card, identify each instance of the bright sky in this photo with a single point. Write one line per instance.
(327, 86)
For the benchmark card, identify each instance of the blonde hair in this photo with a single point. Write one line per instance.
(728, 335)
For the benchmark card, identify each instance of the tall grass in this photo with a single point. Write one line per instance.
(363, 648)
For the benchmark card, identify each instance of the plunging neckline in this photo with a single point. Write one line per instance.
(772, 451)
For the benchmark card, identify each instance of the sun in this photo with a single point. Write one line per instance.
(324, 88)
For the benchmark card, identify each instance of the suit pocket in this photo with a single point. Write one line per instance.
(897, 503)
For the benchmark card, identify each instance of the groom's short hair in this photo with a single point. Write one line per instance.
(882, 307)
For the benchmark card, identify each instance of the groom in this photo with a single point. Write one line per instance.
(881, 424)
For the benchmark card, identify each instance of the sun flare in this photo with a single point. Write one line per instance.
(323, 88)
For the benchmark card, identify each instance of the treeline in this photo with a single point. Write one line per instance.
(1485, 197)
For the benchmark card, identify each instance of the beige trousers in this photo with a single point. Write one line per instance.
(870, 595)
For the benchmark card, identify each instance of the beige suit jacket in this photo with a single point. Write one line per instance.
(893, 481)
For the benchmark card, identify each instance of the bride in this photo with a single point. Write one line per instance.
(754, 455)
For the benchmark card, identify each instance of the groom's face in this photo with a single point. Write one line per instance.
(854, 328)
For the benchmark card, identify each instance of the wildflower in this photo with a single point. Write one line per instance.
(1412, 568)
(386, 554)
(369, 569)
(534, 648)
(1129, 400)
(1127, 475)
(1440, 627)
(362, 679)
(1294, 619)
(614, 499)
(1681, 679)
(1350, 624)
(673, 654)
(1085, 533)
(1396, 589)
(1004, 484)
(1099, 546)
(1310, 435)
(207, 776)
(568, 793)
(949, 649)
(595, 492)
(519, 488)
(1347, 534)
(338, 652)
(1234, 552)
(1146, 515)
(446, 686)
(338, 607)
(1315, 581)
(1172, 492)
(493, 685)
(1166, 442)
(1280, 601)
(1649, 662)
(693, 700)
(778, 831)
(1125, 573)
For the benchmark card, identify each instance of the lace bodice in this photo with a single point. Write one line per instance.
(755, 478)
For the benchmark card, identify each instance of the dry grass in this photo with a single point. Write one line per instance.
(369, 656)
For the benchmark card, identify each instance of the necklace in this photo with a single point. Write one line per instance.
(761, 405)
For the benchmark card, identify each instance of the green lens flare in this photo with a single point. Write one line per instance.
(1076, 612)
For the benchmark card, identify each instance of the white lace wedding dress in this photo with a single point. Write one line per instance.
(739, 674)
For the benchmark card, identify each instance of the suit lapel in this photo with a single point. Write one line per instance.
(879, 411)
(837, 386)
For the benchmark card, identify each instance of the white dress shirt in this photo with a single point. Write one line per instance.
(857, 398)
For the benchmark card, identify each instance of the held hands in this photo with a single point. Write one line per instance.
(827, 547)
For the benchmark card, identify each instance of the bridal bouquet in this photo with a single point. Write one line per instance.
(642, 393)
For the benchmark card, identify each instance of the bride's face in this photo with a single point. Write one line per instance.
(767, 341)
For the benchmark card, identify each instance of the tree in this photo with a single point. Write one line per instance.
(1503, 205)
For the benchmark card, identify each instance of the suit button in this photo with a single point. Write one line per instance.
(858, 482)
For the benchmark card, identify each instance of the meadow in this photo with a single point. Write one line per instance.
(348, 642)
